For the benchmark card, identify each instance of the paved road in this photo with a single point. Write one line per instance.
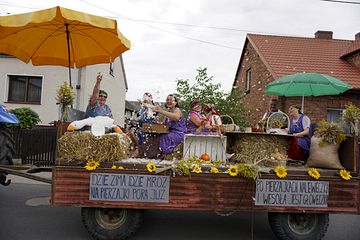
(25, 214)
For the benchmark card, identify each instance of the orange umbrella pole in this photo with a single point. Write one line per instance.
(68, 48)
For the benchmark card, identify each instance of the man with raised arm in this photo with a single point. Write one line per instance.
(97, 103)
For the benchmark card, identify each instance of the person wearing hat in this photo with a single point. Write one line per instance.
(97, 104)
(300, 129)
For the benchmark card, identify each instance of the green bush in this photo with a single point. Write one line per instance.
(27, 118)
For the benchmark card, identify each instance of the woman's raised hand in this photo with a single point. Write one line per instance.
(156, 108)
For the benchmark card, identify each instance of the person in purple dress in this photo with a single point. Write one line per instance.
(175, 120)
(196, 121)
(300, 129)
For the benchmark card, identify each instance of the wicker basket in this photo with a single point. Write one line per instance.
(228, 127)
(155, 128)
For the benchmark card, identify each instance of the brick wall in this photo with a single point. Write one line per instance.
(258, 102)
(316, 107)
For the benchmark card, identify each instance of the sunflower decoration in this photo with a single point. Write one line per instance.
(151, 167)
(91, 165)
(280, 171)
(233, 171)
(113, 167)
(197, 169)
(314, 173)
(121, 168)
(214, 170)
(345, 175)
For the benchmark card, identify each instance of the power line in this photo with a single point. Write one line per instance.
(12, 5)
(337, 1)
(141, 21)
(159, 29)
(181, 24)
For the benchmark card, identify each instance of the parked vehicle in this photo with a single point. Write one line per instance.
(6, 141)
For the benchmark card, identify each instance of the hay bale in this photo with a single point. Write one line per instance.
(264, 150)
(83, 146)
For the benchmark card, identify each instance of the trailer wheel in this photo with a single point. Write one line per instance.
(298, 226)
(111, 223)
(6, 146)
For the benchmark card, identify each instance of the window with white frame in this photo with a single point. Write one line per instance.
(24, 89)
(334, 115)
(248, 81)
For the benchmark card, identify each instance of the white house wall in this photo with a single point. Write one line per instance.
(54, 76)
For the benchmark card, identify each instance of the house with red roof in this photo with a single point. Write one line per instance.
(266, 57)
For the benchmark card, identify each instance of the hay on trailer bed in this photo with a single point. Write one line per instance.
(263, 150)
(83, 146)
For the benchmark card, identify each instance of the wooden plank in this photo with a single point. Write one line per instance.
(24, 174)
(196, 145)
(201, 192)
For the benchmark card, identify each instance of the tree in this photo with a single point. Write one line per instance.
(208, 92)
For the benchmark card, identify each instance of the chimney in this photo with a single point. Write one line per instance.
(324, 34)
(357, 36)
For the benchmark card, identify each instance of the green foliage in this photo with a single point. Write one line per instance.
(248, 171)
(27, 118)
(351, 113)
(208, 92)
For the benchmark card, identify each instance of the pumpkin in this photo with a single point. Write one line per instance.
(205, 157)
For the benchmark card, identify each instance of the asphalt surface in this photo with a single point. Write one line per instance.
(27, 215)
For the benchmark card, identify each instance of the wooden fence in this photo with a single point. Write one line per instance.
(36, 146)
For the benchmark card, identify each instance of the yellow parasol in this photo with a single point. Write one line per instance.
(60, 36)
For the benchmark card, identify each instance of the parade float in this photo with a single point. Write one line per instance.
(232, 172)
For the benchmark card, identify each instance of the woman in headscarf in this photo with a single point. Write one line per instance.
(195, 122)
(213, 117)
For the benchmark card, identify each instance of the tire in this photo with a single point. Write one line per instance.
(111, 223)
(6, 146)
(298, 226)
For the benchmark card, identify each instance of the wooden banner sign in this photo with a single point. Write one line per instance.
(270, 192)
(129, 187)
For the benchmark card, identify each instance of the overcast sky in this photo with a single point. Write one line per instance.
(172, 38)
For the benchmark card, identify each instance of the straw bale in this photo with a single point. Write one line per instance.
(83, 146)
(262, 150)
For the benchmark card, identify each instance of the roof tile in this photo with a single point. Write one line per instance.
(289, 55)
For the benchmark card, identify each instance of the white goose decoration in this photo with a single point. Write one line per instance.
(98, 125)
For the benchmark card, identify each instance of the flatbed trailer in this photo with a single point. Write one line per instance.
(112, 201)
(205, 192)
(298, 206)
